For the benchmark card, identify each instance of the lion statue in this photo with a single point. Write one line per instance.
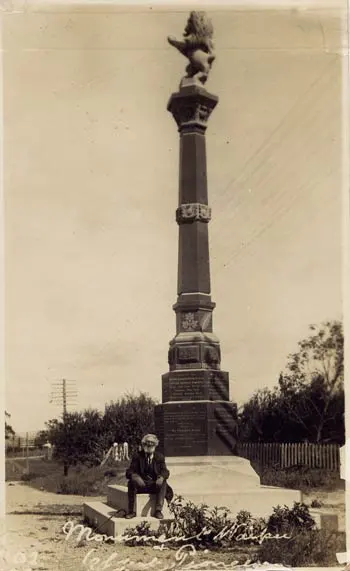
(197, 46)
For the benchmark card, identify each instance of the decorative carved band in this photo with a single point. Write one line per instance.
(193, 211)
(191, 114)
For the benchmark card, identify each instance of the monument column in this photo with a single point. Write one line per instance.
(196, 417)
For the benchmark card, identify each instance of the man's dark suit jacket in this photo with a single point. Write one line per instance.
(138, 466)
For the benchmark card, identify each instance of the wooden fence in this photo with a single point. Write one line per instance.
(325, 456)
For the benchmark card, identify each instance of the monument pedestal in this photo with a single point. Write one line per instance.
(228, 481)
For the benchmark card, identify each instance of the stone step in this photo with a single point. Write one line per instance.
(99, 516)
(117, 497)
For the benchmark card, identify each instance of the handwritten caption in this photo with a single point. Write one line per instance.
(237, 532)
(184, 558)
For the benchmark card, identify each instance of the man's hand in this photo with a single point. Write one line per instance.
(159, 481)
(138, 480)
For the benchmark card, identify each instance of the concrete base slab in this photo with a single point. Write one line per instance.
(205, 473)
(227, 481)
(258, 501)
(117, 497)
(100, 517)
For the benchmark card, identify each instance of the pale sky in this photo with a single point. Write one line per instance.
(90, 193)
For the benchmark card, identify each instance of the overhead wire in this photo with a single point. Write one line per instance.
(280, 167)
(267, 140)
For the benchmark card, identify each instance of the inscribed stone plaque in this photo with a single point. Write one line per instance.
(184, 427)
(196, 429)
(195, 385)
(184, 385)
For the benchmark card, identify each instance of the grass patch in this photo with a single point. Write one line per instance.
(16, 468)
(48, 476)
(300, 478)
(89, 481)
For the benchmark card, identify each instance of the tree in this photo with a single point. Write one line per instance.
(128, 419)
(77, 438)
(259, 419)
(8, 428)
(308, 402)
(312, 388)
(84, 437)
(41, 438)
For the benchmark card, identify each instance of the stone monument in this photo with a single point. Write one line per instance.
(196, 417)
(196, 422)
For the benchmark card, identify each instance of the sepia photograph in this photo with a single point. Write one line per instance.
(175, 210)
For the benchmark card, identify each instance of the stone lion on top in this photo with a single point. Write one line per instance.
(197, 46)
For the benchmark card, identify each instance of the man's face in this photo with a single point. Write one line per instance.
(149, 446)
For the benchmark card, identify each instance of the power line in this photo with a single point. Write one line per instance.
(281, 194)
(264, 145)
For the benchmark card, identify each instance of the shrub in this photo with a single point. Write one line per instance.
(140, 533)
(217, 528)
(305, 548)
(305, 545)
(285, 520)
(190, 520)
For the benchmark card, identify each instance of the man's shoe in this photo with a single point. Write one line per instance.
(130, 515)
(159, 515)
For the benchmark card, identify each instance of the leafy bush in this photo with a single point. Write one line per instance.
(305, 546)
(313, 547)
(217, 528)
(288, 521)
(190, 520)
(139, 534)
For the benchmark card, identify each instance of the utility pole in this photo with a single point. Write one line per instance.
(64, 393)
(27, 451)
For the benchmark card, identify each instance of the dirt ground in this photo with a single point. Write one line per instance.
(34, 523)
(34, 539)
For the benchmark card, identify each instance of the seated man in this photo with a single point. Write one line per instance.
(147, 474)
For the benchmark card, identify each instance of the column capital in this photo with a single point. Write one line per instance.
(191, 108)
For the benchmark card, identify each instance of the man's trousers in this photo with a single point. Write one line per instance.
(149, 488)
